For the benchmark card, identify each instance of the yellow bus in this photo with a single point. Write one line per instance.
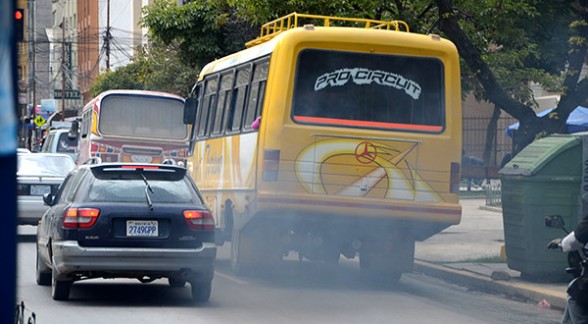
(330, 136)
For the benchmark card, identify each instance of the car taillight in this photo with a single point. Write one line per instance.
(271, 165)
(455, 178)
(80, 217)
(199, 219)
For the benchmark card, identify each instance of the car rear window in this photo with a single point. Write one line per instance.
(67, 144)
(129, 190)
(44, 165)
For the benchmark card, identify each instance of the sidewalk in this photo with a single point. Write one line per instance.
(454, 255)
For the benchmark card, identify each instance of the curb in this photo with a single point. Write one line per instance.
(511, 288)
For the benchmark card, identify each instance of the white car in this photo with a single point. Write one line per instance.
(38, 174)
(23, 150)
(59, 141)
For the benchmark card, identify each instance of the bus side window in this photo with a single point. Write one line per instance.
(254, 105)
(235, 112)
(256, 94)
(224, 100)
(86, 123)
(207, 105)
(203, 125)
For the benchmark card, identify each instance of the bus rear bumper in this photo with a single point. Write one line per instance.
(423, 219)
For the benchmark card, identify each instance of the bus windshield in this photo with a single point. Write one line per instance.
(142, 116)
(369, 91)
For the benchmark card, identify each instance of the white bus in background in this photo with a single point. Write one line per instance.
(133, 126)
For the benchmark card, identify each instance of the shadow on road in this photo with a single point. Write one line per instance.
(119, 293)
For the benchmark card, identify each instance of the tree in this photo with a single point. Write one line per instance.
(203, 30)
(504, 44)
(160, 67)
(123, 78)
(574, 90)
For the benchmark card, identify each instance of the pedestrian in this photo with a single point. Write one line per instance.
(256, 123)
(575, 311)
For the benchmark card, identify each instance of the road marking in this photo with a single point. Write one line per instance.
(230, 278)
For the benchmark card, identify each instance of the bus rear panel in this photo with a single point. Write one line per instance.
(357, 152)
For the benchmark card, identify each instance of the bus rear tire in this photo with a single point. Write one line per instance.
(242, 258)
(255, 249)
(386, 261)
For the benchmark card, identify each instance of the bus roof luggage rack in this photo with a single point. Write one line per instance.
(293, 20)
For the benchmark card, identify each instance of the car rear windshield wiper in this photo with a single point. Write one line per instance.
(147, 189)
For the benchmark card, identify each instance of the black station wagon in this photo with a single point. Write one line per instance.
(143, 221)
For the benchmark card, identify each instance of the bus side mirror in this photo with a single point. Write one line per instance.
(74, 130)
(190, 109)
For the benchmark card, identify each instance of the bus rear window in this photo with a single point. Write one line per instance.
(369, 91)
(142, 116)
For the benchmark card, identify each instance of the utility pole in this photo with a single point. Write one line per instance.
(31, 86)
(107, 36)
(63, 68)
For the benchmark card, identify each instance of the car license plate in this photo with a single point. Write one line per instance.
(142, 228)
(39, 190)
(141, 158)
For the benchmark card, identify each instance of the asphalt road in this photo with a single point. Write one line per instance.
(295, 293)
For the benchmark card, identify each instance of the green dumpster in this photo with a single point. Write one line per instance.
(543, 179)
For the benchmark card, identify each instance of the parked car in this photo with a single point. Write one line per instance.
(38, 174)
(60, 141)
(120, 220)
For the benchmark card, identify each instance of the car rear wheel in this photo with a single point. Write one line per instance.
(43, 272)
(201, 291)
(176, 283)
(59, 288)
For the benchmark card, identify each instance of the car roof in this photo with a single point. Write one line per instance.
(59, 130)
(44, 154)
(44, 164)
(115, 170)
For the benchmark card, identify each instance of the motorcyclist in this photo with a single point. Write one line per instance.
(574, 313)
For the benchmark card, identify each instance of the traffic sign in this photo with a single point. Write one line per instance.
(69, 93)
(40, 121)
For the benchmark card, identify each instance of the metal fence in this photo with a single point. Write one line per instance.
(475, 130)
(494, 193)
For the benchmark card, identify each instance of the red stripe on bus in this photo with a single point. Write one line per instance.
(337, 121)
(359, 205)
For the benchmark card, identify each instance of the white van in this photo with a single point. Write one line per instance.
(58, 141)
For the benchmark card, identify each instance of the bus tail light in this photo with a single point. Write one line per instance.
(80, 217)
(199, 219)
(271, 165)
(455, 178)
